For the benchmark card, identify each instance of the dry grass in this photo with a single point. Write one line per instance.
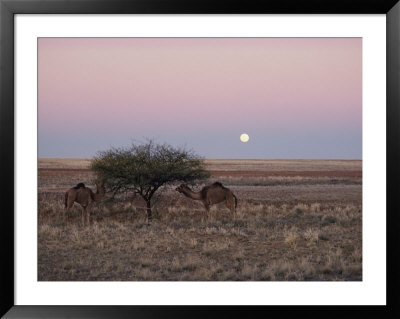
(293, 229)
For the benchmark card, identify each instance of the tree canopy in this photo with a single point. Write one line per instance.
(144, 168)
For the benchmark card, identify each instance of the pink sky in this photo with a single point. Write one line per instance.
(95, 93)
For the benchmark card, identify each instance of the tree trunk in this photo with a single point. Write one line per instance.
(149, 217)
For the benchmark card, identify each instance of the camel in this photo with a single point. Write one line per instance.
(211, 194)
(85, 197)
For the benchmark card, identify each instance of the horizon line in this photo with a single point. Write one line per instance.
(254, 159)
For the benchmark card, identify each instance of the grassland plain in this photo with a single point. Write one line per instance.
(296, 220)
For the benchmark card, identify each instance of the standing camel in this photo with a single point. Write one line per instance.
(85, 197)
(211, 194)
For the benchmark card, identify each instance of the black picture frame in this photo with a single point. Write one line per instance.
(8, 8)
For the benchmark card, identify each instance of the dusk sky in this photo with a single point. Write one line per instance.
(294, 97)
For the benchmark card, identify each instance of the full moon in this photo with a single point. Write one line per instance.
(244, 137)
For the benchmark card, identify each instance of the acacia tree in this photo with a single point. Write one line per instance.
(144, 168)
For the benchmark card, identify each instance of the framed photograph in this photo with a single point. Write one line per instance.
(176, 159)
